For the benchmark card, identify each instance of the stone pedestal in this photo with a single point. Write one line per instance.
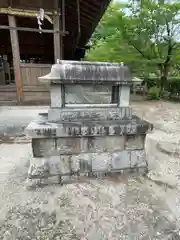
(89, 127)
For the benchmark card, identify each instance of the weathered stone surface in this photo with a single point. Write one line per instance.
(83, 71)
(71, 145)
(42, 128)
(87, 162)
(43, 147)
(120, 160)
(162, 179)
(56, 96)
(88, 94)
(101, 162)
(75, 163)
(134, 142)
(68, 145)
(55, 165)
(102, 144)
(64, 164)
(85, 114)
(124, 96)
(138, 159)
(89, 128)
(39, 167)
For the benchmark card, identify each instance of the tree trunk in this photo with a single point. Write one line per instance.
(164, 74)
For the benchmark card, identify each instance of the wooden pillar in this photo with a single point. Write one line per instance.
(57, 39)
(16, 56)
(57, 25)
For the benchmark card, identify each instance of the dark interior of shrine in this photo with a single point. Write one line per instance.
(80, 20)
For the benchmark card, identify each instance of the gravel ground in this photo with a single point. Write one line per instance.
(116, 207)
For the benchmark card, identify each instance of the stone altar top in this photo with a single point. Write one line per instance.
(69, 72)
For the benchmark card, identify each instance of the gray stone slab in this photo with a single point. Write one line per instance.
(68, 146)
(56, 96)
(87, 163)
(88, 94)
(135, 142)
(38, 166)
(59, 164)
(124, 96)
(102, 144)
(89, 144)
(43, 129)
(75, 72)
(120, 160)
(43, 147)
(101, 162)
(85, 114)
(138, 159)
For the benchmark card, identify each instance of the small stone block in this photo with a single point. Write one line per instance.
(100, 114)
(120, 160)
(68, 145)
(102, 144)
(138, 159)
(38, 167)
(101, 162)
(124, 96)
(85, 162)
(56, 96)
(65, 164)
(43, 147)
(75, 163)
(134, 142)
(54, 165)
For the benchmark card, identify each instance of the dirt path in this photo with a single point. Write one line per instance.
(120, 207)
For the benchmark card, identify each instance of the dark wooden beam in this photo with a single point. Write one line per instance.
(85, 4)
(26, 29)
(83, 11)
(83, 15)
(16, 55)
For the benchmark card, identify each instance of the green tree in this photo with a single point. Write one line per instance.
(146, 38)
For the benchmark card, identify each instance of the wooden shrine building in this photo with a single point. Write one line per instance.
(27, 51)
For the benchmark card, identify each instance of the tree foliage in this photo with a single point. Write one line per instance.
(143, 34)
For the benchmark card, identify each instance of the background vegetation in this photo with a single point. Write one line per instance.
(145, 35)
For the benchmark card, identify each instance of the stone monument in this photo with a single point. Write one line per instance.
(89, 127)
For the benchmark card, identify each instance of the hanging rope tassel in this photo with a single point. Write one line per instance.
(40, 19)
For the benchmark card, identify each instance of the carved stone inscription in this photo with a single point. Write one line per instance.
(99, 130)
(97, 94)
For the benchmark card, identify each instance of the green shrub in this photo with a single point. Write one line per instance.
(151, 82)
(154, 93)
(173, 86)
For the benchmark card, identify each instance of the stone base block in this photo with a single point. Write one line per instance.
(41, 128)
(87, 163)
(76, 145)
(88, 147)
